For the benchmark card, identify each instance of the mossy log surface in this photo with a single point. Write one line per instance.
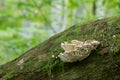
(102, 64)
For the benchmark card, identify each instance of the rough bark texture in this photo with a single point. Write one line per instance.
(102, 64)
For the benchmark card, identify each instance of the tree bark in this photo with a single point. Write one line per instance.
(102, 64)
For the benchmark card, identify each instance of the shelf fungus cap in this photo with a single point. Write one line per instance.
(77, 50)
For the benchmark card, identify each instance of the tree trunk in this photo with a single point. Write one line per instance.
(102, 64)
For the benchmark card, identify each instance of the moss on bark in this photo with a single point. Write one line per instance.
(102, 64)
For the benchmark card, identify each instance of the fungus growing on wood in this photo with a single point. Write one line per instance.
(21, 61)
(77, 50)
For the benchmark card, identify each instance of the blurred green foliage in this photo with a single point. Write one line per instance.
(26, 23)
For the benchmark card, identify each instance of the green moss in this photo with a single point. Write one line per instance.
(95, 67)
(9, 76)
(103, 31)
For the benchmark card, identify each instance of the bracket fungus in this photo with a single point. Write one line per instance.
(77, 50)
